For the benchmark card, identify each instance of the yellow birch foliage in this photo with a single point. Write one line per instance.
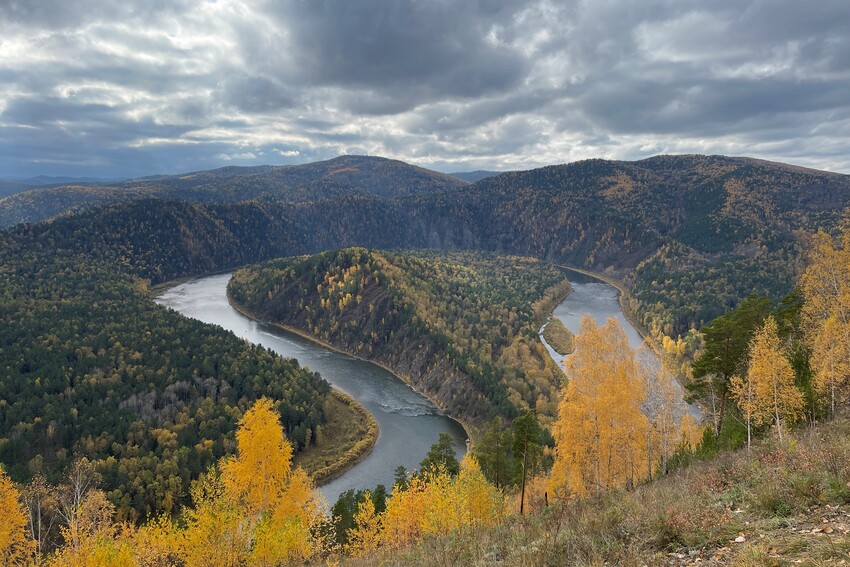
(600, 434)
(775, 397)
(439, 504)
(440, 508)
(830, 359)
(92, 539)
(157, 543)
(690, 432)
(366, 535)
(258, 475)
(826, 314)
(102, 550)
(744, 393)
(216, 532)
(482, 504)
(280, 543)
(278, 503)
(15, 547)
(403, 517)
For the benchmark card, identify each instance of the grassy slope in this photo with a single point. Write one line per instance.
(559, 337)
(785, 506)
(348, 436)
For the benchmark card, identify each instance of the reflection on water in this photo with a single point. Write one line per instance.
(409, 423)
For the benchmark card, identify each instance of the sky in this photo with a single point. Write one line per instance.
(124, 88)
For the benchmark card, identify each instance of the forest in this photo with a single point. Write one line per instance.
(338, 177)
(690, 237)
(619, 480)
(461, 327)
(92, 368)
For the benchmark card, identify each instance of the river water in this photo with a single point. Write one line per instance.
(597, 298)
(409, 423)
(602, 301)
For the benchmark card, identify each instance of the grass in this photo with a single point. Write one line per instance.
(787, 505)
(559, 337)
(347, 436)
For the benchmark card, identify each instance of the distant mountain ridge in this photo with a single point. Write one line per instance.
(344, 175)
(688, 236)
(473, 176)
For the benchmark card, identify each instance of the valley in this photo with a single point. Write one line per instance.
(446, 286)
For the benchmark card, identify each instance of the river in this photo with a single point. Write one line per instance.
(409, 423)
(601, 300)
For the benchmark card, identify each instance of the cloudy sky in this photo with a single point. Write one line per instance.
(127, 88)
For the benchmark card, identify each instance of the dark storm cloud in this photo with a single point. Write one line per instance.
(127, 88)
(430, 49)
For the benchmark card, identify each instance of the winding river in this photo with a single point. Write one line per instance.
(409, 423)
(602, 301)
(599, 299)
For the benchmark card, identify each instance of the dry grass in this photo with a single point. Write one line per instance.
(348, 435)
(789, 504)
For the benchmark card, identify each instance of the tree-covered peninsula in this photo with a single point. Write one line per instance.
(460, 327)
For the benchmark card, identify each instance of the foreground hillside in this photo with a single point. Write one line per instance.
(460, 327)
(780, 505)
(345, 175)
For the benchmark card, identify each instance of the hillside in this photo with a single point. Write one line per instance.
(91, 368)
(459, 327)
(689, 236)
(11, 187)
(345, 175)
(473, 176)
(781, 505)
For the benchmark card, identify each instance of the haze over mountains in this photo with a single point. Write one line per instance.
(345, 175)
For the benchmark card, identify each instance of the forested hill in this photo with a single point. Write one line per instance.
(91, 368)
(689, 235)
(460, 327)
(345, 175)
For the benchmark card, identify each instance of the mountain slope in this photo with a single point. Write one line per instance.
(345, 175)
(689, 236)
(460, 327)
(473, 176)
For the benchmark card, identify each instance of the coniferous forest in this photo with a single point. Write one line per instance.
(133, 429)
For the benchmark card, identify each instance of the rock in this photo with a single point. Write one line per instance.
(740, 539)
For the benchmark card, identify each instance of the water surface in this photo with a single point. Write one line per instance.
(409, 423)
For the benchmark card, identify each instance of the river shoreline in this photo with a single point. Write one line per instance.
(356, 453)
(468, 429)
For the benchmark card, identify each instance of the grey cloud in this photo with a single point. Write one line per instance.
(437, 48)
(255, 94)
(106, 88)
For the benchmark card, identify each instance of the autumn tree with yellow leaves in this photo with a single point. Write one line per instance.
(433, 503)
(826, 315)
(15, 547)
(600, 434)
(769, 392)
(259, 509)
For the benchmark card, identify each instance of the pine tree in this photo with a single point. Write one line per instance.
(441, 454)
